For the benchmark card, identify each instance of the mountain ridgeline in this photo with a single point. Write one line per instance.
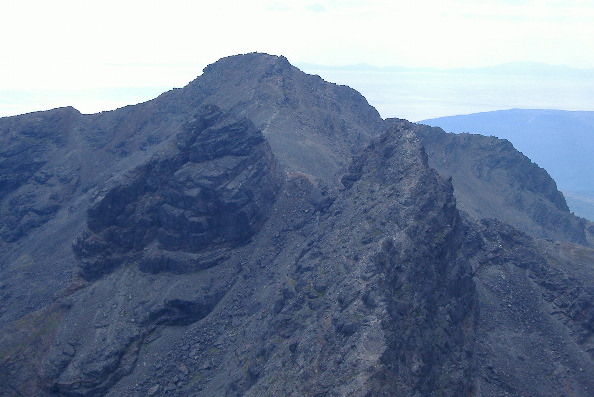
(262, 232)
(558, 140)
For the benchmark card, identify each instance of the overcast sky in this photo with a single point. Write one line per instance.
(78, 44)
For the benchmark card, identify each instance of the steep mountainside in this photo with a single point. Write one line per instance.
(493, 180)
(371, 309)
(261, 232)
(535, 331)
(312, 126)
(559, 141)
(55, 163)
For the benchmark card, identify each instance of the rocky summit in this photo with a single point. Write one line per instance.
(263, 232)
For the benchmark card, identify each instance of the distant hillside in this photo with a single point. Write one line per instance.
(421, 93)
(557, 140)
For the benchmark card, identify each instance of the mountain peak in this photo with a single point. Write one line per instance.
(271, 92)
(248, 61)
(263, 232)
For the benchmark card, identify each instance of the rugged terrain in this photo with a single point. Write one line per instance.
(264, 232)
(558, 140)
(493, 180)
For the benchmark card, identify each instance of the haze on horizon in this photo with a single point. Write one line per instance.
(101, 55)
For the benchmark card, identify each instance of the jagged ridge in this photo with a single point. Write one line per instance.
(262, 247)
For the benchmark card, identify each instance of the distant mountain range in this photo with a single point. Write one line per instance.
(423, 93)
(530, 68)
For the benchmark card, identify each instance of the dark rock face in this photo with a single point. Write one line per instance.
(424, 283)
(27, 147)
(89, 358)
(42, 217)
(493, 180)
(211, 188)
(359, 307)
(261, 232)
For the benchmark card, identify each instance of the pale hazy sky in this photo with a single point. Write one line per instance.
(78, 44)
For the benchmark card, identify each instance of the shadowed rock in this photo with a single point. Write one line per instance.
(211, 187)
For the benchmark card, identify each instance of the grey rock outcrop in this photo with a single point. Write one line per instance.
(261, 232)
(210, 188)
(494, 180)
(312, 127)
(27, 149)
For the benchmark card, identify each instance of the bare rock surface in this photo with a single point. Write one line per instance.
(494, 180)
(261, 232)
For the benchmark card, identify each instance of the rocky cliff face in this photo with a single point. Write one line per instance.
(28, 148)
(263, 232)
(493, 180)
(207, 190)
(312, 127)
(382, 307)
